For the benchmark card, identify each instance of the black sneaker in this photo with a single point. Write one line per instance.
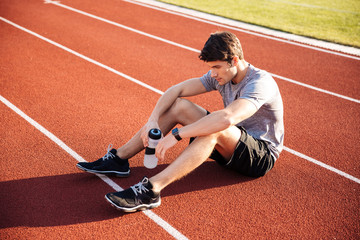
(109, 164)
(137, 197)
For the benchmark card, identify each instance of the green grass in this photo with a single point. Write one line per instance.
(330, 20)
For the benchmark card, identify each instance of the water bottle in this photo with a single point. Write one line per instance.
(150, 161)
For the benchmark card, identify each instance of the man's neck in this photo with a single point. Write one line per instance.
(242, 68)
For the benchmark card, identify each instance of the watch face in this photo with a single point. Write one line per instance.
(175, 132)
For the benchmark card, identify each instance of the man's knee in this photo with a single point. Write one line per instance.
(179, 105)
(211, 139)
(223, 137)
(186, 112)
(226, 141)
(176, 109)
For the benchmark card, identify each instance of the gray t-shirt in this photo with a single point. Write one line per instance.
(261, 89)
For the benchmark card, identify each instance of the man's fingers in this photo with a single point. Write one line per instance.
(160, 151)
(144, 138)
(157, 152)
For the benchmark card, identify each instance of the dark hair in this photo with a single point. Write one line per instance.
(221, 46)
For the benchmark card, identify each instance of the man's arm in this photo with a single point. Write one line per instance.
(217, 121)
(187, 88)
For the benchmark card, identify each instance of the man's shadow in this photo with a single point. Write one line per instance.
(79, 197)
(208, 175)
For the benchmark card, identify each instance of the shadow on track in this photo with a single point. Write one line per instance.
(79, 198)
(208, 175)
(54, 201)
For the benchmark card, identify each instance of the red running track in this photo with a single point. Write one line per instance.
(87, 107)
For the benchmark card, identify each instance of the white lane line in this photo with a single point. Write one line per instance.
(195, 50)
(82, 56)
(251, 29)
(124, 75)
(122, 26)
(158, 220)
(316, 88)
(321, 164)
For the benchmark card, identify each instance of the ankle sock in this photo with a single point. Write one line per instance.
(118, 159)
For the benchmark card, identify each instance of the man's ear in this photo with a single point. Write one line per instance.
(235, 61)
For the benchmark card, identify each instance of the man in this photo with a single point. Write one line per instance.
(247, 135)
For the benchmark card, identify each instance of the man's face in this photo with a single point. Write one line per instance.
(222, 71)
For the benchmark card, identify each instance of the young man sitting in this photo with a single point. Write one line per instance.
(246, 136)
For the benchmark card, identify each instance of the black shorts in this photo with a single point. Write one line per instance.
(251, 157)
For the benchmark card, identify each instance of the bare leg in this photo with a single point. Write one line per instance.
(195, 154)
(182, 111)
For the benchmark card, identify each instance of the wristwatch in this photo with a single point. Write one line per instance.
(175, 132)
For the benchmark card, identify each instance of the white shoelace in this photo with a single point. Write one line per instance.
(108, 154)
(139, 188)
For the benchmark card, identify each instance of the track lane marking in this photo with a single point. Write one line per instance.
(121, 26)
(316, 88)
(82, 56)
(330, 168)
(251, 29)
(157, 219)
(321, 164)
(194, 50)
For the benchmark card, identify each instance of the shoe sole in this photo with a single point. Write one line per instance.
(112, 173)
(141, 207)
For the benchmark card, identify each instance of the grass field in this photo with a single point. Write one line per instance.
(330, 20)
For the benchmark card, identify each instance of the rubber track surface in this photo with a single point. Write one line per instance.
(44, 196)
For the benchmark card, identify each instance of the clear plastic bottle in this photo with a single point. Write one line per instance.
(150, 161)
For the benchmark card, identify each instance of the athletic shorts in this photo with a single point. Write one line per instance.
(251, 157)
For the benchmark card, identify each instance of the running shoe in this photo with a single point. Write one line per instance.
(109, 164)
(138, 197)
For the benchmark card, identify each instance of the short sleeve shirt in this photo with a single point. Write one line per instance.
(259, 88)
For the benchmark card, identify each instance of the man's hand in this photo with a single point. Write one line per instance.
(163, 145)
(145, 131)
